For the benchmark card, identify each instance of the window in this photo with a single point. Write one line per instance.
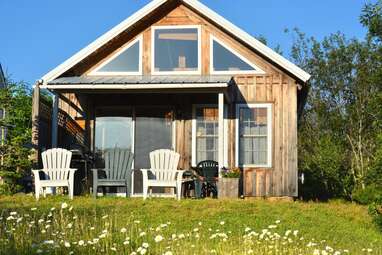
(109, 125)
(176, 50)
(225, 60)
(205, 133)
(254, 135)
(127, 61)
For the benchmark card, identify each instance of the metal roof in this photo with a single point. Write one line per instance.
(139, 82)
(110, 80)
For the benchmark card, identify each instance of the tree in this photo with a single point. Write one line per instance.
(16, 99)
(342, 119)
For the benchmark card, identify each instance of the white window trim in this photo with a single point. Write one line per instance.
(257, 70)
(193, 142)
(96, 71)
(268, 106)
(154, 28)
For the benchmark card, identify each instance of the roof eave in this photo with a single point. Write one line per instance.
(66, 65)
(221, 21)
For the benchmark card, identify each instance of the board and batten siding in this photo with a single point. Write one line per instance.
(275, 86)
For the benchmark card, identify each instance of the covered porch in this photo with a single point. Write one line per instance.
(186, 114)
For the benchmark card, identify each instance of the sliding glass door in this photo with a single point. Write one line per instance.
(153, 131)
(113, 129)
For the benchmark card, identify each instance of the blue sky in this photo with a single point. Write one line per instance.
(38, 35)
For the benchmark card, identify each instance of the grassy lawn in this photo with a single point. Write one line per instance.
(157, 226)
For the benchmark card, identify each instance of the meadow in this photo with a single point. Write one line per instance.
(56, 225)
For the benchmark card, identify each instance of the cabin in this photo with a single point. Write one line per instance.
(177, 75)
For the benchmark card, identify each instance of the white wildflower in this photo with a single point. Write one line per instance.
(145, 245)
(167, 253)
(142, 234)
(113, 249)
(158, 238)
(81, 242)
(143, 251)
(123, 230)
(69, 225)
(222, 223)
(126, 242)
(48, 242)
(105, 216)
(316, 252)
(64, 205)
(33, 209)
(67, 244)
(13, 213)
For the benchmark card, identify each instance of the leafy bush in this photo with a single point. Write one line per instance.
(375, 210)
(369, 195)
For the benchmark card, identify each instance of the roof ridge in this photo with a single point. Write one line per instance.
(200, 7)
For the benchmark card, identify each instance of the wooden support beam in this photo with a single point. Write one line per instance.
(35, 122)
(55, 121)
(221, 130)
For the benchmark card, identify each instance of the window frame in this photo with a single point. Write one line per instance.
(154, 28)
(116, 54)
(269, 107)
(257, 70)
(193, 133)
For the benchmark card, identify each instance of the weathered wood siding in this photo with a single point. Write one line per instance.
(275, 87)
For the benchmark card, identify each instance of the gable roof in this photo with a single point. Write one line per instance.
(199, 7)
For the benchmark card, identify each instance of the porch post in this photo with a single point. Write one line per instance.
(35, 121)
(55, 121)
(221, 131)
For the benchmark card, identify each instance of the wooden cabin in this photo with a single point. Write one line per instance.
(178, 75)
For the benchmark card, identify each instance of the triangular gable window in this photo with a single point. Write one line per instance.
(227, 61)
(127, 61)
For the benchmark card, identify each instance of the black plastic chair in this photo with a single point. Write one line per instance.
(209, 171)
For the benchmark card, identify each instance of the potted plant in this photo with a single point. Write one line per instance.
(228, 185)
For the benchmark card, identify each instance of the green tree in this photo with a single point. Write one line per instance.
(16, 99)
(342, 118)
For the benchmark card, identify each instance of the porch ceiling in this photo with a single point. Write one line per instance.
(139, 82)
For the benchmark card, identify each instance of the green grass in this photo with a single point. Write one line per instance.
(340, 225)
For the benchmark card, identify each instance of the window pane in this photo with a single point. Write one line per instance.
(176, 49)
(113, 130)
(253, 136)
(225, 60)
(127, 61)
(206, 134)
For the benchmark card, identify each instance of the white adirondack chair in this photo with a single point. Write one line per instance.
(164, 165)
(56, 167)
(118, 170)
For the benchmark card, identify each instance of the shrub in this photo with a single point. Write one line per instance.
(372, 193)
